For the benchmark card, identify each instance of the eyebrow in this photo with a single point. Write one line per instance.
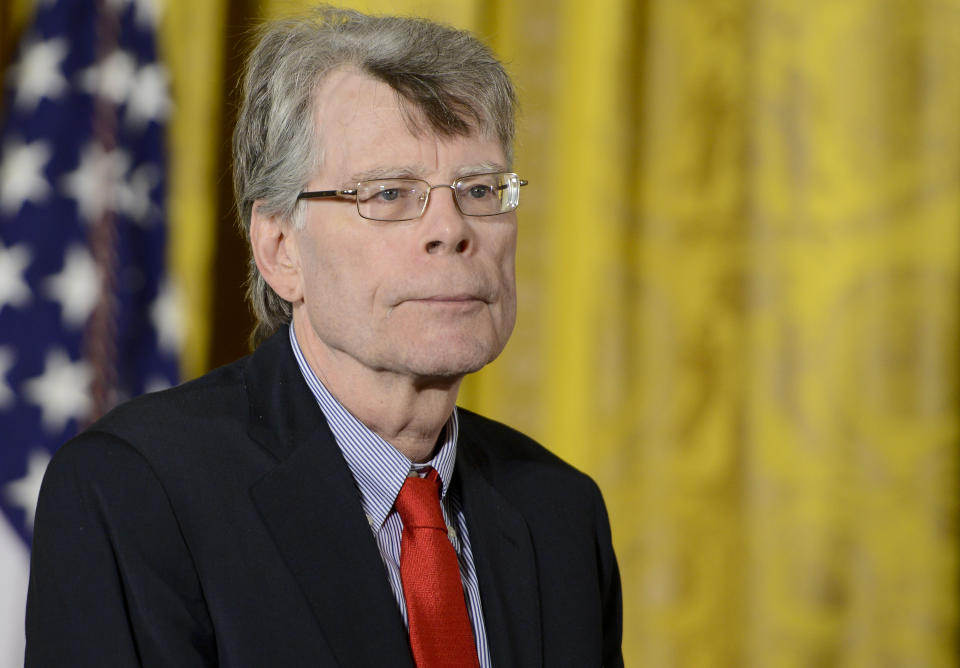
(417, 171)
(481, 168)
(390, 172)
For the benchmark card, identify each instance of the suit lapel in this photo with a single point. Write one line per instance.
(310, 504)
(505, 562)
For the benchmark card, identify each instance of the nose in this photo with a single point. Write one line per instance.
(445, 228)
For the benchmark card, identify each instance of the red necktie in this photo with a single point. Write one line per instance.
(440, 632)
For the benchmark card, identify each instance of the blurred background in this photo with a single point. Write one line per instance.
(738, 271)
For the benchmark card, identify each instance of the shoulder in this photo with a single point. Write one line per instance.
(184, 452)
(520, 466)
(219, 398)
(500, 441)
(215, 393)
(181, 431)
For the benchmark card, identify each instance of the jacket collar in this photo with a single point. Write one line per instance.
(504, 557)
(311, 506)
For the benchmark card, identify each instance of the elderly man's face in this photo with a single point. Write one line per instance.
(428, 298)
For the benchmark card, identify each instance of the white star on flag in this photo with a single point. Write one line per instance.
(167, 318)
(7, 358)
(76, 287)
(134, 196)
(13, 262)
(118, 79)
(38, 74)
(149, 100)
(21, 174)
(147, 12)
(98, 181)
(112, 78)
(63, 390)
(25, 491)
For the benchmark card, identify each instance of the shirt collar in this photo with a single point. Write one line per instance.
(378, 468)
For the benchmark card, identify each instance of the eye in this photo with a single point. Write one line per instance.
(480, 191)
(389, 194)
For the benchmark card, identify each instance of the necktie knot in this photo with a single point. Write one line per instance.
(418, 502)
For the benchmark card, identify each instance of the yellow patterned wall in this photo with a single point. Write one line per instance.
(739, 267)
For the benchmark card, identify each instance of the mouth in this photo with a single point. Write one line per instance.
(456, 302)
(447, 295)
(451, 299)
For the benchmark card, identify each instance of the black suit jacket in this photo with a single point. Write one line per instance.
(217, 524)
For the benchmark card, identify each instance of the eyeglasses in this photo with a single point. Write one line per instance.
(406, 199)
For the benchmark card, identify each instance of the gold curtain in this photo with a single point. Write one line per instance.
(192, 44)
(739, 266)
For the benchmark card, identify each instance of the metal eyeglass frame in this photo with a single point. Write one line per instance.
(352, 192)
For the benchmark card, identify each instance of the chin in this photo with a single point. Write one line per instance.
(448, 368)
(451, 361)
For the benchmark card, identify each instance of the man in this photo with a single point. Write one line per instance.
(323, 502)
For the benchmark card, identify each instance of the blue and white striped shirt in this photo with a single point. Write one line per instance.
(379, 470)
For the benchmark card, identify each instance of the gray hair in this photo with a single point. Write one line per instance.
(450, 79)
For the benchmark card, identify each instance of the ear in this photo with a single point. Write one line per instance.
(274, 247)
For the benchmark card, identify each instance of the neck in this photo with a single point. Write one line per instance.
(407, 412)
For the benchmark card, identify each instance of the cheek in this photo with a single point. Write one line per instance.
(341, 276)
(323, 272)
(503, 262)
(506, 259)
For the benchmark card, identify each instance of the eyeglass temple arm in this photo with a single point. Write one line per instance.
(316, 194)
(507, 185)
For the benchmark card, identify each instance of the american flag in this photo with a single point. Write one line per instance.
(87, 315)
